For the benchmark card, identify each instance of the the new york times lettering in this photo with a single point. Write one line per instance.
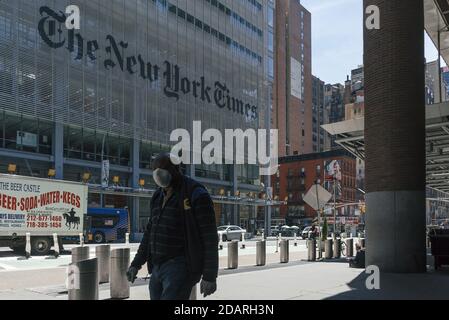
(53, 32)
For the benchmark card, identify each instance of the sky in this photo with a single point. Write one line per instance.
(337, 38)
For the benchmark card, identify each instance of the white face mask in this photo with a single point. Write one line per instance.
(162, 178)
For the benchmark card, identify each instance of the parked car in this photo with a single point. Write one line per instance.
(305, 233)
(229, 233)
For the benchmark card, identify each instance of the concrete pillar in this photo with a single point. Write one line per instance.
(395, 137)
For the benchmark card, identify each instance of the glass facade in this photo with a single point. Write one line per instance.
(115, 89)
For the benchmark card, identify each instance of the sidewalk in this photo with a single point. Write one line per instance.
(318, 281)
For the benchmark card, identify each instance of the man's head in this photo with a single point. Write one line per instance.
(165, 173)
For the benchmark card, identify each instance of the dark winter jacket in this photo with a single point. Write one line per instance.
(200, 232)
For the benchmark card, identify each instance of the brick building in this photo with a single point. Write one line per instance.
(298, 174)
(292, 92)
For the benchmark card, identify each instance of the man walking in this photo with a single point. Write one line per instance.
(180, 244)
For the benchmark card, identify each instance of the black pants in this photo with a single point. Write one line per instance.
(171, 281)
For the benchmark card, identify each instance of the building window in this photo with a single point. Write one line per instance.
(270, 41)
(270, 67)
(270, 16)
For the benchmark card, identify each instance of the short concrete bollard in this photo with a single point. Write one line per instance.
(28, 245)
(27, 248)
(285, 252)
(311, 245)
(56, 248)
(81, 236)
(328, 251)
(261, 253)
(337, 248)
(119, 285)
(82, 280)
(103, 254)
(56, 245)
(296, 240)
(80, 254)
(233, 255)
(349, 248)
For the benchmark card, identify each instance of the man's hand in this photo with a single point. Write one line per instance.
(132, 274)
(208, 288)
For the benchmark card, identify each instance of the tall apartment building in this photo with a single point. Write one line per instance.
(320, 115)
(292, 94)
(334, 96)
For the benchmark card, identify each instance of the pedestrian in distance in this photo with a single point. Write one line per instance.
(180, 242)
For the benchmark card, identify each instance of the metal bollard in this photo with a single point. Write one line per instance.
(349, 248)
(28, 245)
(127, 239)
(311, 244)
(261, 253)
(233, 255)
(328, 252)
(81, 236)
(285, 252)
(193, 294)
(337, 248)
(362, 243)
(103, 254)
(82, 280)
(296, 239)
(243, 242)
(120, 261)
(80, 254)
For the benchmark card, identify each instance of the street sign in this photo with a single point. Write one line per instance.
(317, 197)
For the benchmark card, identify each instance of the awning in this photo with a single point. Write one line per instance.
(350, 136)
(436, 14)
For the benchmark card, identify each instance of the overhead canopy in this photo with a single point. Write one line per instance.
(436, 14)
(350, 135)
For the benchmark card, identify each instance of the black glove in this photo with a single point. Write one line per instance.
(132, 274)
(208, 288)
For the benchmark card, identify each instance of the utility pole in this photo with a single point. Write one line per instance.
(268, 177)
(335, 206)
(319, 211)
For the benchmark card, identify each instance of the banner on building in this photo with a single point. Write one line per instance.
(105, 173)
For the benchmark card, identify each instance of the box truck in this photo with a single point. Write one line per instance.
(42, 208)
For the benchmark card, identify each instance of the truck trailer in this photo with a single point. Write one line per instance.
(42, 208)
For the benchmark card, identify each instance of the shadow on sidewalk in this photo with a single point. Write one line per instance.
(427, 286)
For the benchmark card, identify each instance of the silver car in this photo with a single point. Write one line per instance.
(229, 233)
